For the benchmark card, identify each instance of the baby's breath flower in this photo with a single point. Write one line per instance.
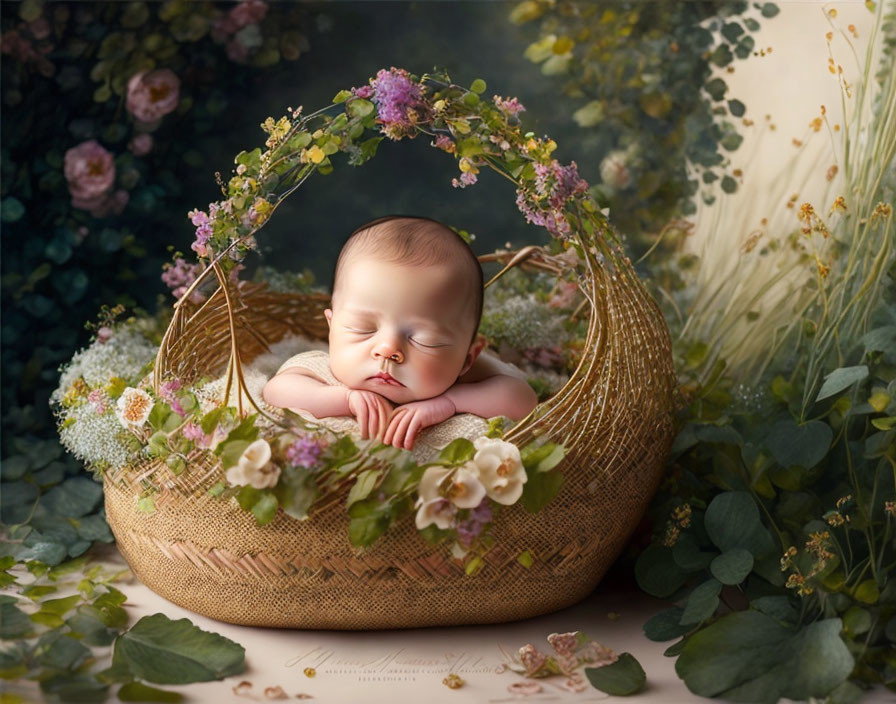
(93, 438)
(123, 355)
(522, 322)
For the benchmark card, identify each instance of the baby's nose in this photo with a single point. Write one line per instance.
(389, 349)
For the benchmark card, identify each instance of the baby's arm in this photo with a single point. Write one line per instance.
(499, 395)
(293, 388)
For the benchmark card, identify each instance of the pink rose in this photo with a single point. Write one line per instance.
(152, 95)
(248, 12)
(90, 172)
(141, 144)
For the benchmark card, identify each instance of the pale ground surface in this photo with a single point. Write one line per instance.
(387, 666)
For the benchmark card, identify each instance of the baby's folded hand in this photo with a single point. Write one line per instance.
(372, 412)
(410, 418)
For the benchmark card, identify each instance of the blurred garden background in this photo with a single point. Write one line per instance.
(755, 197)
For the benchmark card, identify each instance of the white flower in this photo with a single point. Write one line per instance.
(439, 511)
(133, 407)
(500, 469)
(94, 439)
(614, 171)
(254, 467)
(464, 490)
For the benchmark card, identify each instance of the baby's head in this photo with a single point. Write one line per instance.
(407, 300)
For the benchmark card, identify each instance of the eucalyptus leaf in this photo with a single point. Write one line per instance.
(621, 678)
(75, 497)
(732, 566)
(62, 653)
(732, 521)
(841, 379)
(14, 623)
(702, 603)
(163, 651)
(74, 688)
(802, 445)
(666, 625)
(748, 656)
(656, 572)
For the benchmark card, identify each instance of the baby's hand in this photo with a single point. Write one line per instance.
(372, 412)
(410, 418)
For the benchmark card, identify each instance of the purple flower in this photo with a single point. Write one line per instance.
(363, 92)
(511, 106)
(556, 184)
(398, 99)
(467, 178)
(167, 392)
(304, 452)
(179, 276)
(483, 512)
(445, 143)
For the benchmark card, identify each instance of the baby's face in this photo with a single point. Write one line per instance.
(411, 323)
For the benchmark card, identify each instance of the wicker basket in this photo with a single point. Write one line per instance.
(209, 556)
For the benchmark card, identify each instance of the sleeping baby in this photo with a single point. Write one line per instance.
(404, 353)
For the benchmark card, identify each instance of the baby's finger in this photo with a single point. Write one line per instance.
(381, 420)
(393, 424)
(362, 419)
(398, 440)
(411, 436)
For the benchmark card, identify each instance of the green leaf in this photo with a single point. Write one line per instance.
(265, 508)
(656, 572)
(364, 484)
(296, 492)
(702, 603)
(688, 556)
(139, 692)
(841, 379)
(769, 10)
(732, 566)
(159, 414)
(367, 525)
(14, 623)
(87, 623)
(867, 592)
(75, 497)
(525, 559)
(880, 339)
(622, 678)
(359, 107)
(728, 184)
(856, 621)
(478, 86)
(748, 656)
(74, 688)
(732, 521)
(61, 652)
(666, 625)
(716, 88)
(163, 651)
(61, 606)
(732, 31)
(231, 451)
(458, 451)
(542, 458)
(540, 488)
(210, 420)
(801, 445)
(342, 96)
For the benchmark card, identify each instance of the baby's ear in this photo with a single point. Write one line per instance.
(328, 314)
(473, 353)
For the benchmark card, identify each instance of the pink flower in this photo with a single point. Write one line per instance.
(90, 172)
(179, 276)
(248, 12)
(565, 643)
(511, 106)
(532, 659)
(597, 654)
(141, 144)
(152, 95)
(445, 143)
(104, 334)
(399, 102)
